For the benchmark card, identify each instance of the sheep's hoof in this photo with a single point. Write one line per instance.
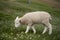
(50, 33)
(42, 33)
(34, 32)
(25, 32)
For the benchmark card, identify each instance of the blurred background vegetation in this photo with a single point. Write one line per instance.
(9, 9)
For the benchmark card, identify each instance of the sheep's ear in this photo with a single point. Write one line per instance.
(17, 17)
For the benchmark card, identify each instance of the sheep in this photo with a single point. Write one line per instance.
(31, 18)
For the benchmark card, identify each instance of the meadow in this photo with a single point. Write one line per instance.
(9, 9)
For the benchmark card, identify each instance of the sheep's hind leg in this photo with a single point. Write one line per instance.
(44, 31)
(50, 28)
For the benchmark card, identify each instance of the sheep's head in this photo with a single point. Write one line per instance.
(17, 22)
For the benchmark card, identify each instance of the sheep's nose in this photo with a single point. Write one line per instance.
(16, 26)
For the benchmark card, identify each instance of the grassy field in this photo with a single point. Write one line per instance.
(9, 9)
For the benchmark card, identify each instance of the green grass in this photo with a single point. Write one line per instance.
(10, 9)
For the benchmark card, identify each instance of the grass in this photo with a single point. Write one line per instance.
(10, 9)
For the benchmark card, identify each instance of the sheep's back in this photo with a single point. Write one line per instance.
(37, 17)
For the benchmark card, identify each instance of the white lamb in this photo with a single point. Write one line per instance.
(35, 18)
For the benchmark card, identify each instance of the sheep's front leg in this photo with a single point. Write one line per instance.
(28, 27)
(33, 29)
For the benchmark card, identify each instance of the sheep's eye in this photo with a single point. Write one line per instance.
(20, 21)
